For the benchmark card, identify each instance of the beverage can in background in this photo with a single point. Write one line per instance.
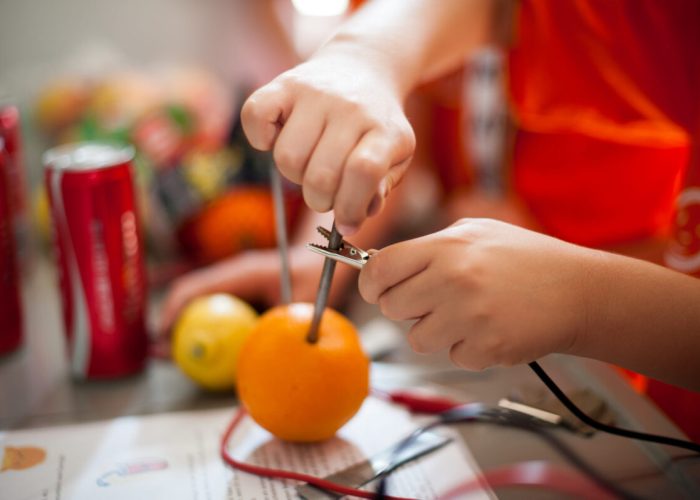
(17, 186)
(98, 245)
(10, 301)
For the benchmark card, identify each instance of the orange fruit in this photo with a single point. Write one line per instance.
(239, 220)
(301, 391)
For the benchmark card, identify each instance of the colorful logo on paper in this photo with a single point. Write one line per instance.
(126, 470)
(22, 457)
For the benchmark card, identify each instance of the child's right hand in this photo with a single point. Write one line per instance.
(336, 127)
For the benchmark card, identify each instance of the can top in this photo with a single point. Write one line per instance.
(86, 156)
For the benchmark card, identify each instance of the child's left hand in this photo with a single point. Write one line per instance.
(490, 292)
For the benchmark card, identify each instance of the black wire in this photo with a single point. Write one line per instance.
(571, 456)
(643, 436)
(471, 413)
(503, 417)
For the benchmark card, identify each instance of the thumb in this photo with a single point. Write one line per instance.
(389, 182)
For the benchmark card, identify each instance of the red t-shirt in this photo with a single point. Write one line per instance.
(683, 254)
(605, 96)
(600, 92)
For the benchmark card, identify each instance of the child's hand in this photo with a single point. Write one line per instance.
(491, 293)
(252, 276)
(337, 128)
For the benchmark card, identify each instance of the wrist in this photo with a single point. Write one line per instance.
(592, 301)
(376, 57)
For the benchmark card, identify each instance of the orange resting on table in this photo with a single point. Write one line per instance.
(301, 391)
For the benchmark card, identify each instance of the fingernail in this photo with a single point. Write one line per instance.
(346, 229)
(383, 187)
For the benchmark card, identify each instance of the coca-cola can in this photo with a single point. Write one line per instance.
(10, 131)
(99, 250)
(10, 302)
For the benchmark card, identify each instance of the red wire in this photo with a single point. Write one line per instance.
(533, 473)
(417, 402)
(285, 474)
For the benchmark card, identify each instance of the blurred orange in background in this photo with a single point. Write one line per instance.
(241, 219)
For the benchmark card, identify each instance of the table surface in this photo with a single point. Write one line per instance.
(36, 390)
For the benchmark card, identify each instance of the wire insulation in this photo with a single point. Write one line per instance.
(610, 429)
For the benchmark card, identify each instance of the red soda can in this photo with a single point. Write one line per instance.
(10, 304)
(99, 250)
(17, 188)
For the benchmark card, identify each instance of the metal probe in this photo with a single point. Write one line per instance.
(281, 232)
(335, 240)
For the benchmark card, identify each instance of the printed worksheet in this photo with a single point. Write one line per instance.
(176, 456)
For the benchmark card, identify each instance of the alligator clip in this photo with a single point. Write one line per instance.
(347, 253)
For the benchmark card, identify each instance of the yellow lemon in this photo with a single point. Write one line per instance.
(208, 337)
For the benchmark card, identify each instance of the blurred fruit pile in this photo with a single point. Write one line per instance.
(203, 191)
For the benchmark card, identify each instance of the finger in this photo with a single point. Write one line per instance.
(324, 169)
(263, 114)
(386, 185)
(236, 276)
(392, 265)
(366, 166)
(433, 333)
(464, 354)
(296, 142)
(408, 299)
(177, 297)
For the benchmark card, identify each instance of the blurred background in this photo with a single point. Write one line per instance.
(168, 77)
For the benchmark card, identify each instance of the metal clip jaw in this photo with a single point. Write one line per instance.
(347, 253)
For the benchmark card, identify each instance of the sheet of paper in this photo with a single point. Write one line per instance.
(175, 456)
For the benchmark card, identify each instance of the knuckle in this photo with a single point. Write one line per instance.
(493, 347)
(367, 166)
(349, 213)
(388, 308)
(406, 136)
(290, 162)
(418, 342)
(353, 107)
(462, 279)
(251, 110)
(320, 181)
(467, 359)
(317, 203)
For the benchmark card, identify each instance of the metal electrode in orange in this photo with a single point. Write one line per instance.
(301, 391)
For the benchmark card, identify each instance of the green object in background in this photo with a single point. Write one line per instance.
(89, 128)
(181, 117)
(120, 135)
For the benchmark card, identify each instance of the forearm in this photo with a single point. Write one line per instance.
(644, 317)
(417, 40)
